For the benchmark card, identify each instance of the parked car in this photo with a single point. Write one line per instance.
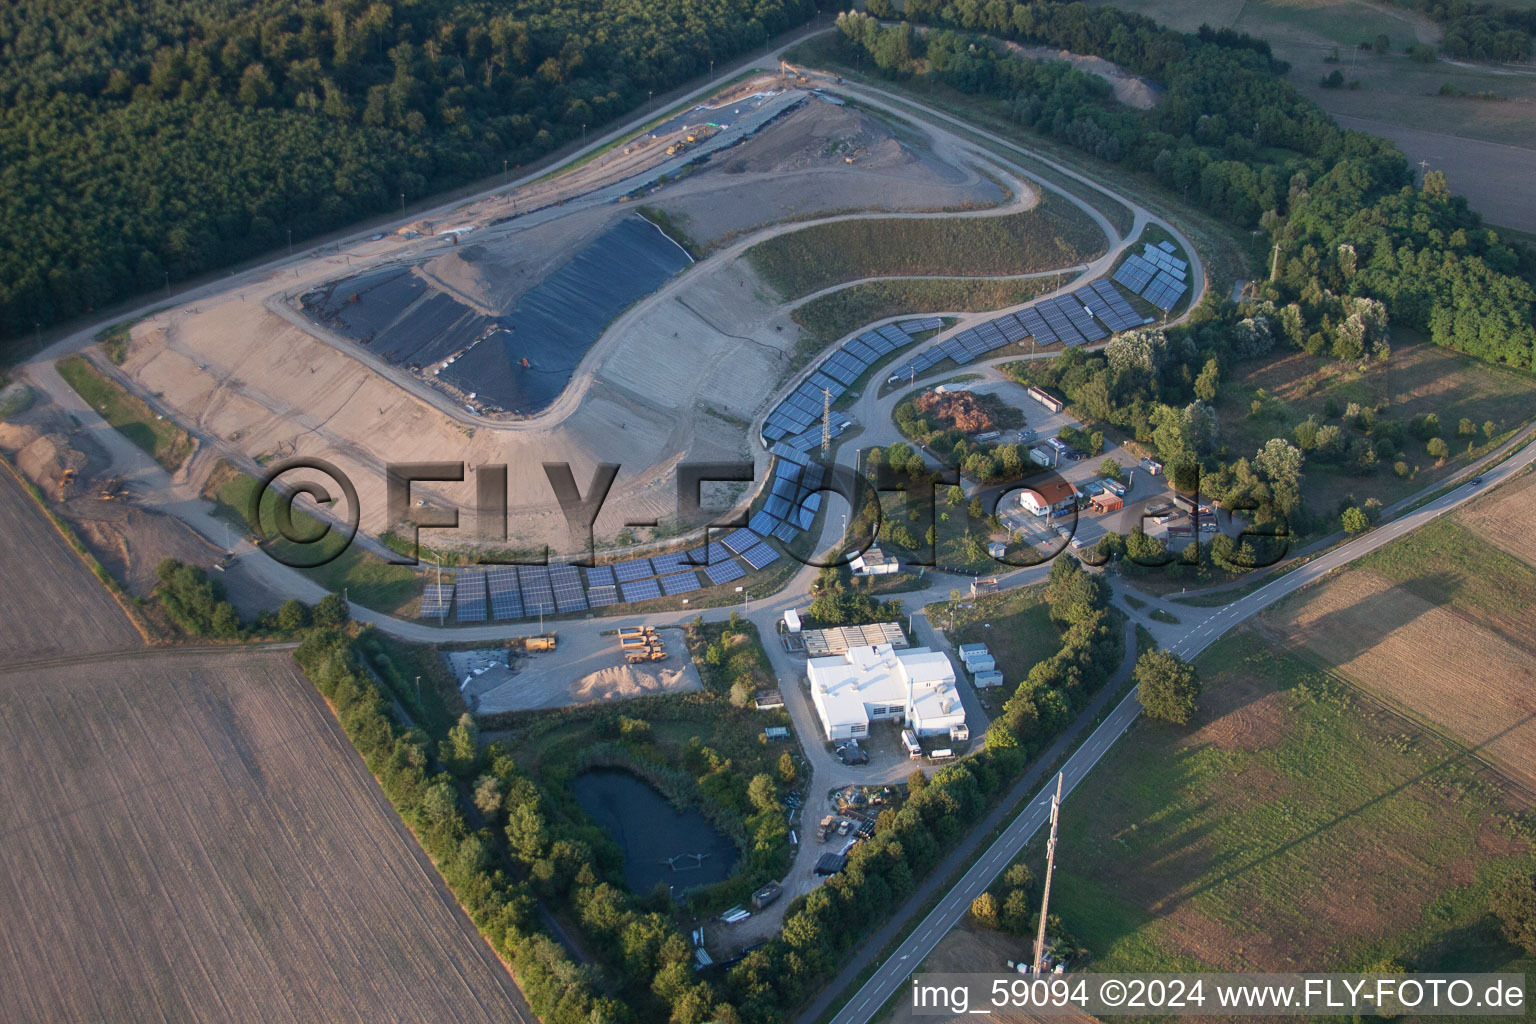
(1093, 487)
(1027, 434)
(1077, 455)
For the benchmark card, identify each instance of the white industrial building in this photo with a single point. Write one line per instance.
(915, 687)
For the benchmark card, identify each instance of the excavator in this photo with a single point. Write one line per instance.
(785, 67)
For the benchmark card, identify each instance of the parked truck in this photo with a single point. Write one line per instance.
(539, 643)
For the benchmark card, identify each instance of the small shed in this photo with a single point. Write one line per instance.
(766, 700)
(985, 679)
(791, 620)
(775, 732)
(967, 651)
(980, 663)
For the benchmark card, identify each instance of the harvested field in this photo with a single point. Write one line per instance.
(192, 838)
(1506, 519)
(51, 603)
(1348, 835)
(1426, 658)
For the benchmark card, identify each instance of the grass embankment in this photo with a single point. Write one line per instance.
(1290, 824)
(167, 443)
(832, 316)
(1053, 234)
(368, 579)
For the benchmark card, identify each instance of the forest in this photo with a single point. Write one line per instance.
(148, 143)
(1340, 207)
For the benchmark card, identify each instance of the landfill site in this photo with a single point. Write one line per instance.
(553, 322)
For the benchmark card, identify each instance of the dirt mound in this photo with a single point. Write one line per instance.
(48, 457)
(959, 409)
(820, 134)
(479, 276)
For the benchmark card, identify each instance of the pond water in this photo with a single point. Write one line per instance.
(650, 831)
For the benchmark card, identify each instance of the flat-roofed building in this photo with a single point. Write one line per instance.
(915, 687)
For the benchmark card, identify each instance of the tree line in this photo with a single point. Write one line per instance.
(1340, 207)
(144, 144)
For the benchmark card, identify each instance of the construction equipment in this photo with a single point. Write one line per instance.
(649, 654)
(539, 643)
(785, 67)
(111, 489)
(628, 642)
(66, 480)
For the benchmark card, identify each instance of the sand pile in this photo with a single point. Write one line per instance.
(622, 681)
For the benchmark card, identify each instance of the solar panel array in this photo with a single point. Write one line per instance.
(471, 596)
(724, 572)
(639, 569)
(793, 420)
(640, 590)
(566, 583)
(713, 553)
(436, 599)
(506, 599)
(680, 583)
(538, 597)
(759, 556)
(1124, 316)
(1155, 275)
(1089, 314)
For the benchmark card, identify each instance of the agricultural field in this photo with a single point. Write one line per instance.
(1505, 518)
(1294, 822)
(57, 607)
(167, 443)
(1427, 659)
(191, 837)
(1052, 234)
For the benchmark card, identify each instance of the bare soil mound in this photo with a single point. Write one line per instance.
(821, 135)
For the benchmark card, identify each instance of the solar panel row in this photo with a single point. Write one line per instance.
(569, 594)
(538, 598)
(436, 599)
(680, 583)
(836, 372)
(471, 596)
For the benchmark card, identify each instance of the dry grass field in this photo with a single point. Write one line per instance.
(50, 604)
(1427, 658)
(1506, 518)
(1291, 826)
(189, 837)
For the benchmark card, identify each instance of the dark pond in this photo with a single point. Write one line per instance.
(649, 831)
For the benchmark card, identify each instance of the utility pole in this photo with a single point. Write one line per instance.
(1050, 866)
(826, 422)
